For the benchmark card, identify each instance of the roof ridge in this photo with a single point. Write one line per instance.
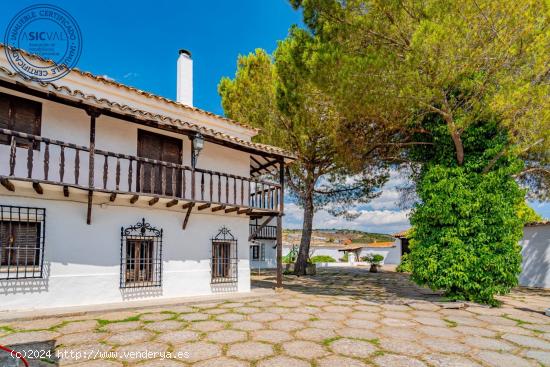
(135, 90)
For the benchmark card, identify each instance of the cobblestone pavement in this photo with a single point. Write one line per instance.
(341, 317)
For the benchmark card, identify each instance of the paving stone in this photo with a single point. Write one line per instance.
(397, 322)
(140, 351)
(78, 326)
(338, 309)
(496, 359)
(129, 337)
(198, 351)
(430, 321)
(182, 309)
(395, 307)
(304, 349)
(247, 325)
(160, 363)
(539, 355)
(226, 336)
(356, 333)
(222, 362)
(286, 325)
(467, 321)
(290, 304)
(324, 324)
(476, 331)
(438, 332)
(403, 347)
(207, 325)
(331, 316)
(510, 329)
(446, 360)
(424, 306)
(397, 361)
(230, 317)
(121, 326)
(314, 334)
(215, 311)
(485, 310)
(367, 308)
(364, 324)
(363, 315)
(296, 316)
(399, 333)
(271, 336)
(250, 350)
(167, 325)
(36, 324)
(207, 305)
(276, 310)
(445, 345)
(333, 361)
(352, 348)
(177, 337)
(196, 316)
(95, 363)
(396, 315)
(283, 361)
(80, 353)
(80, 338)
(116, 315)
(539, 327)
(527, 341)
(480, 342)
(232, 305)
(264, 316)
(28, 337)
(497, 320)
(156, 316)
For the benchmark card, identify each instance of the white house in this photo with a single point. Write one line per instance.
(535, 251)
(109, 193)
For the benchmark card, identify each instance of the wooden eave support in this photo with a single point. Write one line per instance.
(230, 210)
(7, 184)
(259, 228)
(244, 211)
(218, 208)
(204, 206)
(133, 199)
(112, 197)
(38, 188)
(66, 191)
(190, 207)
(263, 167)
(154, 200)
(171, 203)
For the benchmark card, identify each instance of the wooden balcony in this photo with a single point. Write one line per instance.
(263, 233)
(43, 161)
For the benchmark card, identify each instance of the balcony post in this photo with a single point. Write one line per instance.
(280, 225)
(91, 154)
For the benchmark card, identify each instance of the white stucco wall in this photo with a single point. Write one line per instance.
(536, 256)
(270, 259)
(82, 262)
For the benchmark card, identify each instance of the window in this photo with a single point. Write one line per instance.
(258, 252)
(160, 148)
(21, 115)
(21, 242)
(141, 256)
(224, 258)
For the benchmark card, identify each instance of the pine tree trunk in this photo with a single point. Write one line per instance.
(303, 253)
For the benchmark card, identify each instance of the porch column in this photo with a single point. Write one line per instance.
(91, 155)
(280, 225)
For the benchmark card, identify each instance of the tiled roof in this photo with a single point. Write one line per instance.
(540, 223)
(125, 109)
(380, 244)
(401, 234)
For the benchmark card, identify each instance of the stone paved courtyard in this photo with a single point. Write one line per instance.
(341, 317)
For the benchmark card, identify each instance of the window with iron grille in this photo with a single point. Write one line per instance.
(140, 256)
(224, 258)
(21, 242)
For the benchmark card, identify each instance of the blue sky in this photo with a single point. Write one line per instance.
(137, 43)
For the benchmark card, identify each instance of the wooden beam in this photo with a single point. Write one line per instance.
(66, 191)
(244, 211)
(218, 208)
(187, 215)
(203, 206)
(7, 184)
(230, 210)
(188, 205)
(38, 188)
(279, 250)
(259, 228)
(90, 201)
(134, 199)
(264, 166)
(154, 200)
(93, 113)
(112, 197)
(171, 203)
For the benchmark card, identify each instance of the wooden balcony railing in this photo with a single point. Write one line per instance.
(266, 233)
(38, 159)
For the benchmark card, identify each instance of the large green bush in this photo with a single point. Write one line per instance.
(322, 259)
(467, 226)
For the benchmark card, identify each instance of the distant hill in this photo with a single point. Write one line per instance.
(336, 236)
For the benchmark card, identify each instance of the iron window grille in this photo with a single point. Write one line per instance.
(140, 256)
(224, 258)
(22, 234)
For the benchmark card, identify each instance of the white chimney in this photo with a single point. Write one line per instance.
(185, 78)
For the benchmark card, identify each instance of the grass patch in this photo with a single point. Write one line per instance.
(450, 323)
(102, 322)
(519, 322)
(7, 329)
(374, 341)
(327, 341)
(378, 353)
(313, 319)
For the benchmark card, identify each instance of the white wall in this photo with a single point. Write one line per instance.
(82, 262)
(270, 259)
(536, 256)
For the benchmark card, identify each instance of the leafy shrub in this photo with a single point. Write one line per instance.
(345, 258)
(467, 224)
(322, 259)
(405, 265)
(373, 258)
